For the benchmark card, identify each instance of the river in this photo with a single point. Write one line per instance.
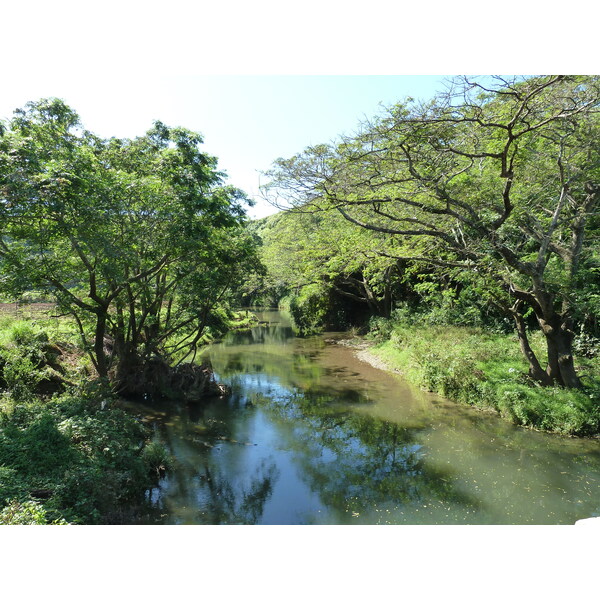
(312, 435)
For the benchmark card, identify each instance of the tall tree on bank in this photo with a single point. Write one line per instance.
(137, 239)
(497, 177)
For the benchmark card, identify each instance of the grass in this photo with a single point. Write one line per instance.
(487, 370)
(68, 453)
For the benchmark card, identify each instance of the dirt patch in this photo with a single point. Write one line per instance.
(375, 361)
(27, 310)
(362, 351)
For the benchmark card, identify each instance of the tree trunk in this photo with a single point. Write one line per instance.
(129, 370)
(535, 370)
(99, 333)
(557, 330)
(559, 340)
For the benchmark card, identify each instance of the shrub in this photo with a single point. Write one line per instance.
(156, 458)
(78, 450)
(309, 309)
(23, 333)
(26, 513)
(28, 362)
(72, 456)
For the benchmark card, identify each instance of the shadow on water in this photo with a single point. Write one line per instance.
(313, 435)
(365, 469)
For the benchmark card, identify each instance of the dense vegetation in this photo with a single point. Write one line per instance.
(477, 208)
(68, 453)
(137, 240)
(138, 245)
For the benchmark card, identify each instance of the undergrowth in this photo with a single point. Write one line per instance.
(486, 369)
(68, 453)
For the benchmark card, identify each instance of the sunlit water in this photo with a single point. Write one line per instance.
(312, 435)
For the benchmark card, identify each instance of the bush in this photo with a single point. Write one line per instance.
(20, 376)
(157, 459)
(586, 345)
(23, 333)
(11, 485)
(309, 309)
(26, 513)
(39, 449)
(28, 362)
(78, 452)
(70, 456)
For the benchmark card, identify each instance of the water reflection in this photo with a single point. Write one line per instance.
(365, 469)
(213, 482)
(312, 435)
(222, 503)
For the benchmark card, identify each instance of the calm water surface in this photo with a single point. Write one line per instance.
(312, 435)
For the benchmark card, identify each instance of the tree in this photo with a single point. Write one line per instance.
(334, 284)
(496, 177)
(137, 239)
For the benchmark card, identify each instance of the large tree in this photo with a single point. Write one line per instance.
(496, 177)
(137, 239)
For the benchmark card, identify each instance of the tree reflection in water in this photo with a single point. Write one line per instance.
(214, 494)
(360, 464)
(222, 503)
(310, 436)
(212, 483)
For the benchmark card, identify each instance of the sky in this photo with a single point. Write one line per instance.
(264, 79)
(247, 121)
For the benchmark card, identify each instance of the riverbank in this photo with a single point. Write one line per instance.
(485, 370)
(68, 453)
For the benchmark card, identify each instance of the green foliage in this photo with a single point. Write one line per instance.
(309, 308)
(28, 362)
(23, 333)
(20, 376)
(10, 484)
(29, 512)
(321, 253)
(157, 458)
(486, 196)
(486, 370)
(586, 345)
(39, 449)
(77, 452)
(139, 240)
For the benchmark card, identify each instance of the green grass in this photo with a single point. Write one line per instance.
(13, 329)
(487, 370)
(68, 454)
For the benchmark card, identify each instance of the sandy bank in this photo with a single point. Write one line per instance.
(362, 351)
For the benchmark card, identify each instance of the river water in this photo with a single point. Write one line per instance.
(312, 435)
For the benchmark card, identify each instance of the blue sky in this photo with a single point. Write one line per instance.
(265, 79)
(247, 121)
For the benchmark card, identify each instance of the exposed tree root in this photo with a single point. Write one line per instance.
(189, 382)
